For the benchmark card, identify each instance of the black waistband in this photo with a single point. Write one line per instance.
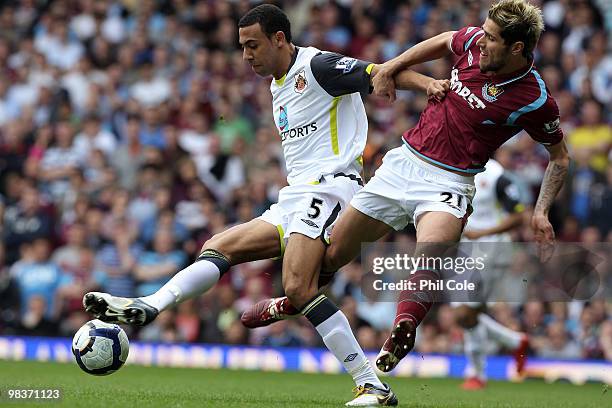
(351, 176)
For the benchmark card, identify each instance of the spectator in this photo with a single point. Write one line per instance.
(25, 221)
(188, 322)
(163, 329)
(588, 336)
(601, 202)
(129, 156)
(282, 335)
(67, 256)
(117, 260)
(9, 296)
(151, 132)
(35, 320)
(221, 172)
(533, 319)
(155, 267)
(373, 306)
(230, 126)
(87, 276)
(593, 138)
(605, 339)
(39, 276)
(165, 219)
(583, 181)
(13, 148)
(594, 76)
(59, 161)
(558, 344)
(150, 91)
(57, 46)
(92, 137)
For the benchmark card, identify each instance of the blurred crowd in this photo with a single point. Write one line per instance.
(132, 131)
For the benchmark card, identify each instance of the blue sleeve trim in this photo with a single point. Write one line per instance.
(537, 104)
(469, 42)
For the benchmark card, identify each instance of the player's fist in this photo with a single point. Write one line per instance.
(473, 234)
(438, 88)
(544, 235)
(383, 83)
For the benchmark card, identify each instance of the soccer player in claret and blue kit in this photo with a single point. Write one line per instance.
(496, 92)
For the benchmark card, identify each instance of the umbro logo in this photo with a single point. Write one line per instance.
(350, 357)
(311, 223)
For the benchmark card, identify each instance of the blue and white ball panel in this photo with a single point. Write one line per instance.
(100, 348)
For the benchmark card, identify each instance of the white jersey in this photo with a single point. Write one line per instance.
(496, 196)
(320, 115)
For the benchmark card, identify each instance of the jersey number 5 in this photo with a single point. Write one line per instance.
(315, 206)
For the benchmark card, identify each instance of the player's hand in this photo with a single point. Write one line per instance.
(544, 235)
(437, 89)
(384, 84)
(472, 234)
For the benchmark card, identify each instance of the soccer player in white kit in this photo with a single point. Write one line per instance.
(498, 208)
(322, 124)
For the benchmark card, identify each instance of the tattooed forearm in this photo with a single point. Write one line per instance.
(552, 183)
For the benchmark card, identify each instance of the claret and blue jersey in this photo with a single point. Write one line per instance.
(482, 111)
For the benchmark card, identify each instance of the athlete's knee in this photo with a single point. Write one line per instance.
(466, 317)
(220, 245)
(213, 243)
(299, 293)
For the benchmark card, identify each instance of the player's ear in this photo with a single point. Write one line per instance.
(279, 38)
(517, 48)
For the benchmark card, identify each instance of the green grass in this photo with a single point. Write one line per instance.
(135, 386)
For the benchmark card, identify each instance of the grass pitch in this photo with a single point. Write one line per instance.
(135, 386)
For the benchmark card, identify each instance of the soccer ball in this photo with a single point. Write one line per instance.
(100, 348)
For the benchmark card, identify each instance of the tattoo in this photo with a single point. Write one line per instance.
(552, 183)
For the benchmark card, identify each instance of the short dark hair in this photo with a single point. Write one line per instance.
(271, 19)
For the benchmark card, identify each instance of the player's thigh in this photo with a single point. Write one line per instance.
(353, 228)
(437, 233)
(251, 241)
(301, 265)
(438, 226)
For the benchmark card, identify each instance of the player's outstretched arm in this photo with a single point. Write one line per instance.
(551, 185)
(508, 223)
(510, 198)
(430, 49)
(412, 80)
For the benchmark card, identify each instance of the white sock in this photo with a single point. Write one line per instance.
(339, 339)
(499, 332)
(475, 343)
(190, 282)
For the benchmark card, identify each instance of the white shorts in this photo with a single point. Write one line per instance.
(404, 187)
(312, 209)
